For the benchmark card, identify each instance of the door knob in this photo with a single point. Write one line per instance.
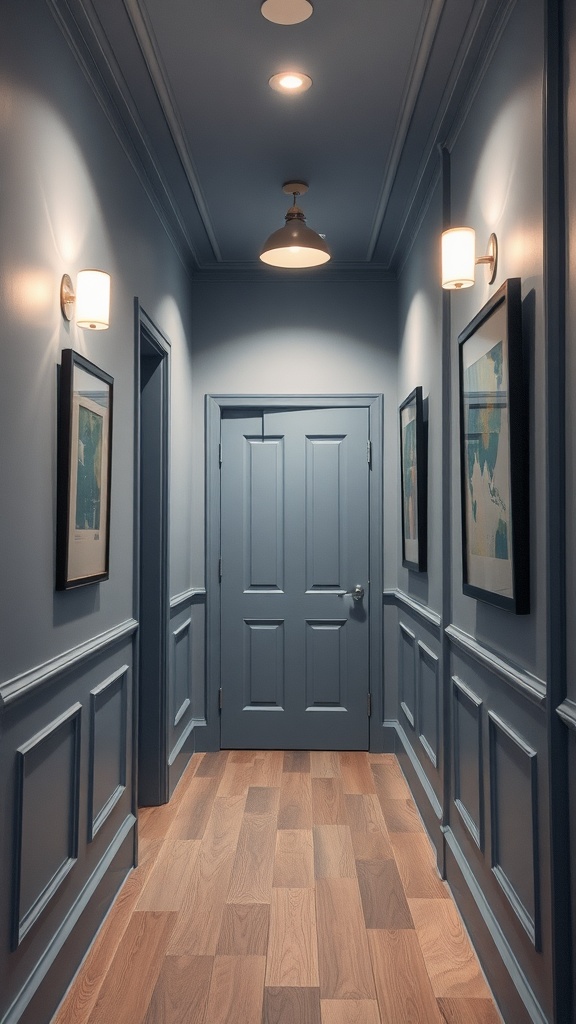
(357, 593)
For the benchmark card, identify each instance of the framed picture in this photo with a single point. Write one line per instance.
(413, 482)
(84, 463)
(494, 453)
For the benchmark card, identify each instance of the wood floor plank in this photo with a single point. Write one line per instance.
(244, 930)
(417, 866)
(251, 879)
(469, 1011)
(291, 1006)
(389, 780)
(350, 1011)
(364, 813)
(324, 764)
(168, 879)
(292, 943)
(154, 822)
(81, 997)
(344, 961)
(198, 926)
(236, 777)
(294, 859)
(401, 815)
(296, 761)
(383, 898)
(194, 811)
(355, 773)
(181, 992)
(236, 990)
(403, 986)
(262, 800)
(333, 852)
(140, 955)
(212, 764)
(453, 969)
(295, 809)
(267, 768)
(328, 803)
(372, 846)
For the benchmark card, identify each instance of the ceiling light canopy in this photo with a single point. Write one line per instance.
(290, 82)
(295, 245)
(286, 12)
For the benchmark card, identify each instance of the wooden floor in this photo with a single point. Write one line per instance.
(283, 888)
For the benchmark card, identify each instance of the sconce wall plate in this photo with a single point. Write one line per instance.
(67, 297)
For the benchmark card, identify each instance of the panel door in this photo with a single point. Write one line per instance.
(294, 538)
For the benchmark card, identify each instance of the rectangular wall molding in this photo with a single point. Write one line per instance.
(195, 595)
(510, 961)
(397, 598)
(514, 846)
(467, 758)
(428, 701)
(523, 682)
(47, 807)
(567, 712)
(108, 748)
(22, 685)
(407, 672)
(181, 675)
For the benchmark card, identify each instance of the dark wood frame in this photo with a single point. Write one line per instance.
(506, 303)
(419, 564)
(68, 576)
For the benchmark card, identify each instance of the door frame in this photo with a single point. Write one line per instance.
(149, 337)
(215, 405)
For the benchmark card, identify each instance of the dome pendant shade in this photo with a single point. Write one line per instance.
(295, 245)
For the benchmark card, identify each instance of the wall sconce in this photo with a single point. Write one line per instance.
(459, 258)
(92, 299)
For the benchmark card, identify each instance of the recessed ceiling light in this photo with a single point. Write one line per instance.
(286, 12)
(290, 82)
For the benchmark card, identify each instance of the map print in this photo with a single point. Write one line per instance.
(487, 457)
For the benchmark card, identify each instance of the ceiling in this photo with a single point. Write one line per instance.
(188, 80)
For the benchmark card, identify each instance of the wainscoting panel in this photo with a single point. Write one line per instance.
(54, 754)
(108, 746)
(428, 682)
(514, 822)
(187, 684)
(407, 673)
(467, 758)
(66, 813)
(181, 669)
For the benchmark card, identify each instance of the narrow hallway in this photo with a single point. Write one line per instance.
(283, 888)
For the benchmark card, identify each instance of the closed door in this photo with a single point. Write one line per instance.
(294, 543)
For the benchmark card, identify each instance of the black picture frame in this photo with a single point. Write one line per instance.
(413, 482)
(494, 460)
(84, 472)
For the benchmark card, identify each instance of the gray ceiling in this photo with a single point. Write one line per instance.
(189, 82)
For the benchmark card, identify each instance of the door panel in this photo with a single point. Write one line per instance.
(294, 537)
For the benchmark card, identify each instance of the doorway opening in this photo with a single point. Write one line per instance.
(152, 591)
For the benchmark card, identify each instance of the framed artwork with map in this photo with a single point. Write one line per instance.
(84, 464)
(494, 454)
(413, 482)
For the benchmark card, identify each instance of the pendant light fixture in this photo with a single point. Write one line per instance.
(295, 245)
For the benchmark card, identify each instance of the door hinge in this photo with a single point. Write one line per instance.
(369, 452)
(220, 699)
(369, 705)
(220, 454)
(219, 568)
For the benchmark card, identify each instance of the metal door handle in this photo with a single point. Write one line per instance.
(357, 594)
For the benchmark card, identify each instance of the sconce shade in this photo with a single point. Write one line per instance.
(93, 300)
(295, 245)
(458, 257)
